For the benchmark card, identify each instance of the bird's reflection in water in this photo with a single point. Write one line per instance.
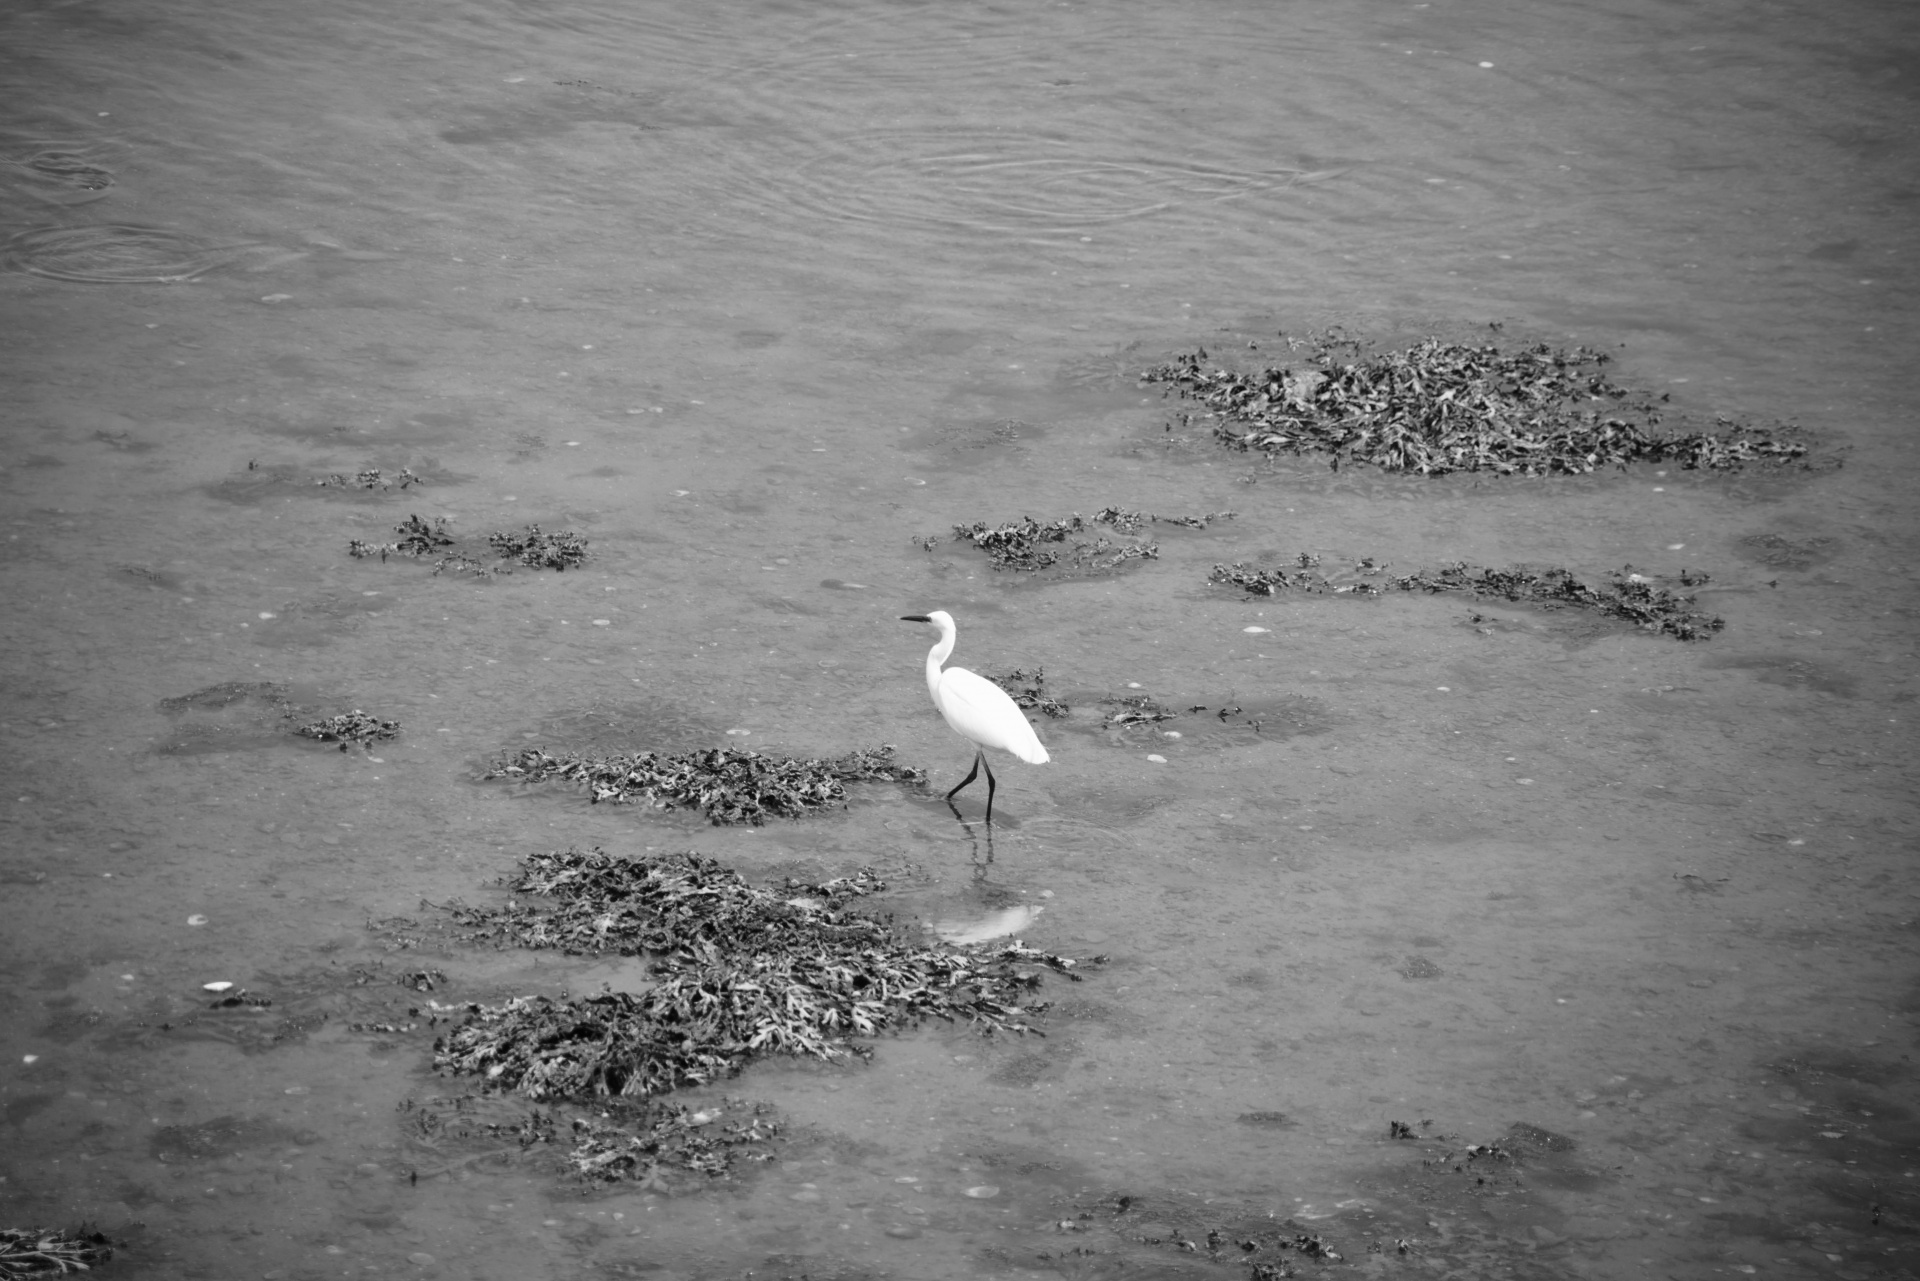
(980, 865)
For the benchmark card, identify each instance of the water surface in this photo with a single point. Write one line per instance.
(754, 295)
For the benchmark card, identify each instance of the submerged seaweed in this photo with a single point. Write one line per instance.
(728, 785)
(660, 1136)
(1440, 407)
(1626, 595)
(743, 973)
(647, 1142)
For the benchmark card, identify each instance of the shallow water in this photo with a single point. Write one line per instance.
(754, 296)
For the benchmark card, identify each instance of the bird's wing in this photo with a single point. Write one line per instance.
(980, 710)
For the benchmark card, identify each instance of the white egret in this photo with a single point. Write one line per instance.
(976, 709)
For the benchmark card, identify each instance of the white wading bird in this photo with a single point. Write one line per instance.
(977, 709)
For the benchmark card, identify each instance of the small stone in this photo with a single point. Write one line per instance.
(420, 1258)
(901, 1232)
(983, 1192)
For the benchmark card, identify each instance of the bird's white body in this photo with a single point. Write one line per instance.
(979, 710)
(975, 708)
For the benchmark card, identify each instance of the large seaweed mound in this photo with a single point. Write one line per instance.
(742, 972)
(1440, 407)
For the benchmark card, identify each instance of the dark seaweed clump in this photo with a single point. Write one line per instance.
(533, 548)
(728, 785)
(1029, 545)
(564, 550)
(350, 728)
(36, 1252)
(742, 973)
(1028, 689)
(417, 538)
(1440, 407)
(1626, 595)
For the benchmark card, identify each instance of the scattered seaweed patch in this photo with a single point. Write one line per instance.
(728, 785)
(1267, 1249)
(742, 973)
(1627, 596)
(533, 548)
(1134, 720)
(1028, 689)
(1029, 545)
(1135, 709)
(369, 478)
(44, 1252)
(1303, 575)
(259, 482)
(1440, 407)
(349, 729)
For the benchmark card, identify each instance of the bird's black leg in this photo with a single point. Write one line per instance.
(989, 769)
(972, 774)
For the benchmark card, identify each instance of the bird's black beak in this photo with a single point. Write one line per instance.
(915, 618)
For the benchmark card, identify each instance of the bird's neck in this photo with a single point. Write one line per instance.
(936, 656)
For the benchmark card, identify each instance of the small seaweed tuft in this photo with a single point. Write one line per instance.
(350, 729)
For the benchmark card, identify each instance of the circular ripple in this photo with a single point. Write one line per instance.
(62, 166)
(115, 254)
